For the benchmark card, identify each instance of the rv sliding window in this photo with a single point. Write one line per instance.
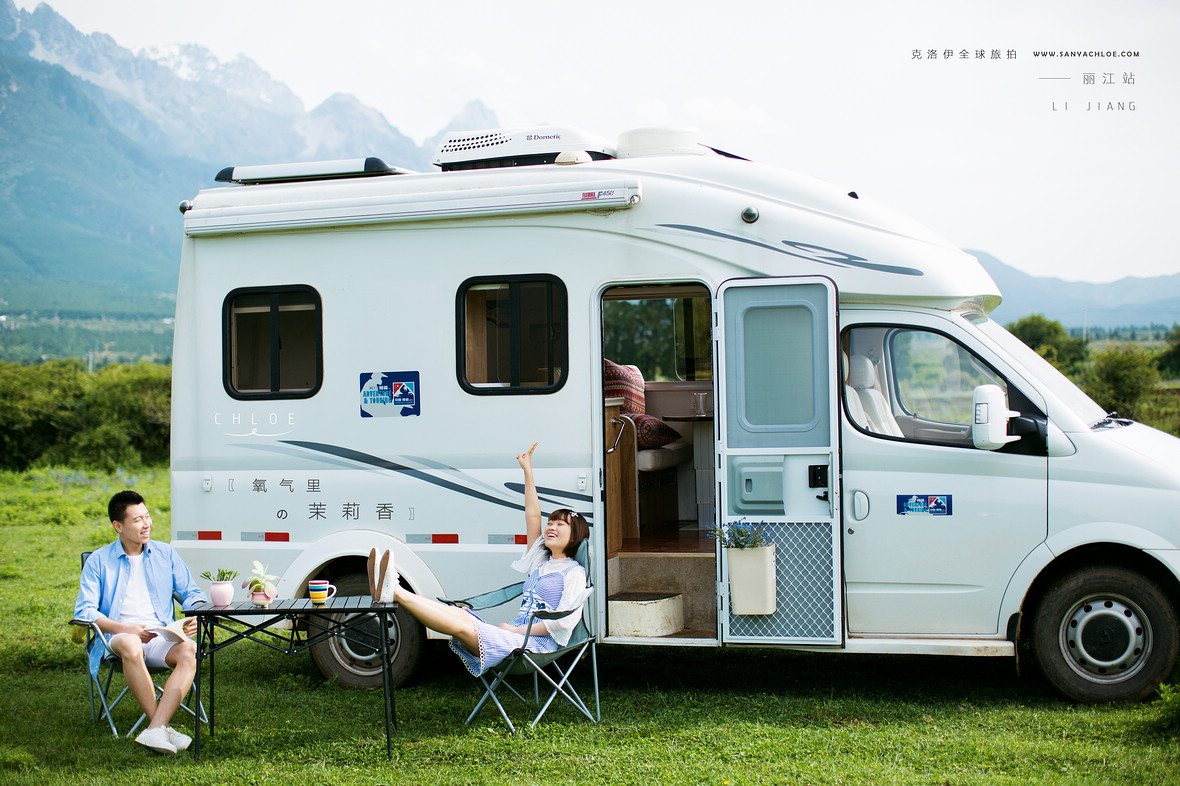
(273, 342)
(512, 334)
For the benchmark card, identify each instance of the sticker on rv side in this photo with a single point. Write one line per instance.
(387, 394)
(924, 505)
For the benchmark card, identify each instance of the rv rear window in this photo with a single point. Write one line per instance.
(273, 342)
(512, 335)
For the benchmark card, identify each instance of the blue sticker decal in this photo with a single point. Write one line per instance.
(924, 505)
(387, 394)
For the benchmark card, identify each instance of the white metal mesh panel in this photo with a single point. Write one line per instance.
(806, 597)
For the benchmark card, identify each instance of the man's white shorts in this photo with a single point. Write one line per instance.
(156, 650)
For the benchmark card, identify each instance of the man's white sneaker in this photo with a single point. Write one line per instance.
(157, 739)
(179, 740)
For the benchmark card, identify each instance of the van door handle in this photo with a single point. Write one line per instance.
(860, 505)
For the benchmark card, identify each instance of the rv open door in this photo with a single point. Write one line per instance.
(777, 467)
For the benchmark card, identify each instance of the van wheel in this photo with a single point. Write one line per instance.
(1105, 634)
(356, 663)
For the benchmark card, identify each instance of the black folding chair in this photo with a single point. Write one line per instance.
(100, 683)
(540, 666)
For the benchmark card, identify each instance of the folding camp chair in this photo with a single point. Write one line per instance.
(111, 664)
(522, 663)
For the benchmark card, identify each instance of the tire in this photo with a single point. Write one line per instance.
(1105, 634)
(354, 665)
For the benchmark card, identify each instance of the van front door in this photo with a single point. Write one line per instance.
(776, 455)
(936, 527)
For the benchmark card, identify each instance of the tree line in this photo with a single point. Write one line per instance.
(1118, 377)
(58, 413)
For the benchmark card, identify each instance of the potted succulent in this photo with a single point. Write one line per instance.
(753, 575)
(261, 585)
(221, 587)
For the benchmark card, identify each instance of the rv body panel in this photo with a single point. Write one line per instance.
(352, 370)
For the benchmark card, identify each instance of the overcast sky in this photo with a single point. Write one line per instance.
(1005, 153)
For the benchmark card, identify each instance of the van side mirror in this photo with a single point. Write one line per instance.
(989, 427)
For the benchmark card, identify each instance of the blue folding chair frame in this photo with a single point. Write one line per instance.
(521, 662)
(112, 663)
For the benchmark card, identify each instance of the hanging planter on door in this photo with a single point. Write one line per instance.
(753, 573)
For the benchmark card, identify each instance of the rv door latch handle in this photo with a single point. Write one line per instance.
(817, 478)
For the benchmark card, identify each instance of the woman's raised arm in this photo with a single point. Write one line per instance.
(532, 504)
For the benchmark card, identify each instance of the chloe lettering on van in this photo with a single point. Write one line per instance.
(693, 338)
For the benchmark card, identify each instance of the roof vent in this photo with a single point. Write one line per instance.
(308, 170)
(507, 147)
(661, 141)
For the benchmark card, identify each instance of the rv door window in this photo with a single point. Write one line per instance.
(664, 330)
(273, 342)
(512, 335)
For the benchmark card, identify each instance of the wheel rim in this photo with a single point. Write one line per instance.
(1106, 638)
(361, 656)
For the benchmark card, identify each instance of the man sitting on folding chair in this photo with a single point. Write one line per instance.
(556, 586)
(126, 587)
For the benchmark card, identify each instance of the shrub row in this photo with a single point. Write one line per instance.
(57, 413)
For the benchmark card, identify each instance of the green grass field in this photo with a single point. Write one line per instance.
(669, 715)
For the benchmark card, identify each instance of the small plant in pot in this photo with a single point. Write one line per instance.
(261, 585)
(221, 588)
(740, 535)
(752, 574)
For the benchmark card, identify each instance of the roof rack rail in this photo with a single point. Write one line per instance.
(308, 170)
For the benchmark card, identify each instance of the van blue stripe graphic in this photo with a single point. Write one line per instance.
(810, 252)
(380, 463)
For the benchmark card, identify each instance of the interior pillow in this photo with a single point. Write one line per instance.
(651, 432)
(625, 382)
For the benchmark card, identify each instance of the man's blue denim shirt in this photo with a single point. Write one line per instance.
(104, 583)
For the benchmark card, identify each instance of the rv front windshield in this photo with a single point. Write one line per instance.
(1082, 406)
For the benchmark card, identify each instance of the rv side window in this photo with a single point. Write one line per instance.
(273, 342)
(912, 384)
(512, 335)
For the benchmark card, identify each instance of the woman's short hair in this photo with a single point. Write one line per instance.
(579, 527)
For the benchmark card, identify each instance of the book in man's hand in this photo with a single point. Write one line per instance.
(173, 631)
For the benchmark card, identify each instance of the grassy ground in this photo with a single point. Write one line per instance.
(669, 715)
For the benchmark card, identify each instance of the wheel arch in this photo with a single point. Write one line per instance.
(1097, 554)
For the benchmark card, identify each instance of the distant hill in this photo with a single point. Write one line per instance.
(1128, 301)
(99, 145)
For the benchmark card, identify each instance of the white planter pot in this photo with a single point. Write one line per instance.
(221, 593)
(753, 580)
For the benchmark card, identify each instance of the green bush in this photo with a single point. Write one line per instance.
(1051, 341)
(37, 405)
(1169, 707)
(58, 414)
(1168, 361)
(1119, 377)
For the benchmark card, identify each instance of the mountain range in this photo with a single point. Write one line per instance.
(99, 145)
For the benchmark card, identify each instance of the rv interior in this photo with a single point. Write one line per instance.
(659, 480)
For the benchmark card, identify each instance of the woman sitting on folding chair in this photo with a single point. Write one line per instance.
(556, 582)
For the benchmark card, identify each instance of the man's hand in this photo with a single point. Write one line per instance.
(190, 626)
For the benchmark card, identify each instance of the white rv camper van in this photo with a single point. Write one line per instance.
(695, 340)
